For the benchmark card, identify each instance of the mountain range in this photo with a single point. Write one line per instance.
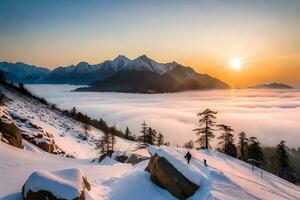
(121, 74)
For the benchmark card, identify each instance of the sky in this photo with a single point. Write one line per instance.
(203, 34)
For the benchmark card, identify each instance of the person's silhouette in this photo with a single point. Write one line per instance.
(188, 157)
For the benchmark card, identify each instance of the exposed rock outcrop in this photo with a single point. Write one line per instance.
(37, 135)
(10, 132)
(64, 184)
(165, 175)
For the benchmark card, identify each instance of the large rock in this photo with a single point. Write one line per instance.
(9, 130)
(165, 175)
(130, 158)
(64, 184)
(135, 158)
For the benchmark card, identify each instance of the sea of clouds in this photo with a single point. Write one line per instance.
(270, 115)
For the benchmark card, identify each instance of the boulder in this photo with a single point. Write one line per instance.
(47, 146)
(165, 175)
(121, 158)
(9, 130)
(3, 139)
(135, 158)
(130, 158)
(64, 184)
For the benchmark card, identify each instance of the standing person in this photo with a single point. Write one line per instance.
(188, 157)
(204, 161)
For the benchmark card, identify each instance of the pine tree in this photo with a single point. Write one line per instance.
(227, 140)
(143, 137)
(254, 151)
(281, 160)
(151, 136)
(127, 133)
(243, 146)
(160, 139)
(205, 130)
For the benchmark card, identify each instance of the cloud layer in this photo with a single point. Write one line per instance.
(270, 115)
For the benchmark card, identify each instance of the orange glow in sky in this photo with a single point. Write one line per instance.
(259, 38)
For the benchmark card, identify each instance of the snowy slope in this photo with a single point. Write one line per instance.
(65, 130)
(225, 178)
(16, 165)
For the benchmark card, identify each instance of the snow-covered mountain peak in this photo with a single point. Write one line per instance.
(143, 62)
(121, 58)
(120, 62)
(83, 67)
(144, 57)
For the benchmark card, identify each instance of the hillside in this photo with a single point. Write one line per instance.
(224, 178)
(66, 132)
(135, 82)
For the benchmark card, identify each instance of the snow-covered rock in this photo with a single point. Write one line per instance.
(66, 184)
(165, 175)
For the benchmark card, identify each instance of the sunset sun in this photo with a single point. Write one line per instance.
(235, 63)
(129, 100)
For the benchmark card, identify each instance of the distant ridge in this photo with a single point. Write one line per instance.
(272, 86)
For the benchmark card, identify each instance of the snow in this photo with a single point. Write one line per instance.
(16, 165)
(108, 161)
(145, 63)
(178, 161)
(20, 69)
(224, 178)
(64, 130)
(64, 184)
(31, 147)
(118, 64)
